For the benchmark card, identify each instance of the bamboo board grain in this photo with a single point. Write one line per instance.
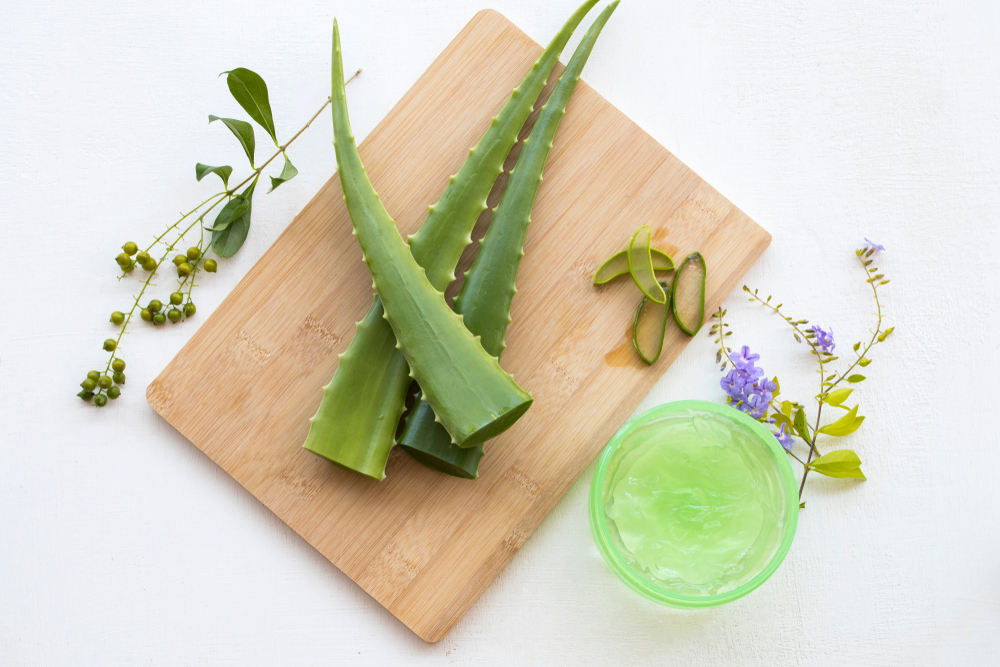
(425, 545)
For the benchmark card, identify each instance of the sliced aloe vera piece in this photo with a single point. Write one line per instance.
(688, 301)
(617, 265)
(649, 326)
(640, 265)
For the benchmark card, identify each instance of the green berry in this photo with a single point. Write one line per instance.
(88, 385)
(100, 400)
(114, 393)
(110, 345)
(149, 265)
(193, 253)
(159, 318)
(176, 298)
(146, 314)
(130, 268)
(189, 309)
(86, 395)
(117, 317)
(119, 378)
(104, 382)
(155, 305)
(93, 375)
(174, 315)
(180, 259)
(142, 257)
(130, 248)
(123, 260)
(184, 270)
(118, 365)
(210, 265)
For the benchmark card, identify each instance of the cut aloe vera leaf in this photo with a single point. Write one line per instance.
(425, 440)
(617, 265)
(649, 326)
(688, 301)
(640, 265)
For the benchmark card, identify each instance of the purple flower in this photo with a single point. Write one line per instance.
(747, 388)
(824, 338)
(784, 437)
(875, 246)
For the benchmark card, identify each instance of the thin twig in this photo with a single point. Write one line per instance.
(217, 197)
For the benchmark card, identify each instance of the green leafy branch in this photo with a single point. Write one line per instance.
(789, 417)
(229, 231)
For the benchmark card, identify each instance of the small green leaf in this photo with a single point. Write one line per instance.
(233, 210)
(800, 425)
(857, 346)
(780, 419)
(777, 387)
(802, 505)
(786, 407)
(250, 91)
(864, 362)
(202, 170)
(243, 131)
(855, 378)
(846, 425)
(843, 463)
(287, 173)
(837, 396)
(226, 242)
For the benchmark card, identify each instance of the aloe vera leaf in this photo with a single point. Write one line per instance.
(353, 434)
(471, 395)
(425, 440)
(617, 265)
(488, 291)
(446, 232)
(688, 301)
(649, 326)
(355, 424)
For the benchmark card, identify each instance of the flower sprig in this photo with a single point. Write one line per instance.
(748, 389)
(228, 231)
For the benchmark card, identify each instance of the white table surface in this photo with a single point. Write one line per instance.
(122, 544)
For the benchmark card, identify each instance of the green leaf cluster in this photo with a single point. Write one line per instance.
(231, 226)
(846, 425)
(843, 463)
(233, 223)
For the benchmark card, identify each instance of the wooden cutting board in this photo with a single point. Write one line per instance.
(423, 544)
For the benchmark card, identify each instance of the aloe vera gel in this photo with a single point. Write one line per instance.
(693, 504)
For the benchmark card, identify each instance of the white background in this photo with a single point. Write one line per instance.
(121, 544)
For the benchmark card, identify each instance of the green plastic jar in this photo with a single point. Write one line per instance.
(693, 504)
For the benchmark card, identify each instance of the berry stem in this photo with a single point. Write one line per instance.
(211, 202)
